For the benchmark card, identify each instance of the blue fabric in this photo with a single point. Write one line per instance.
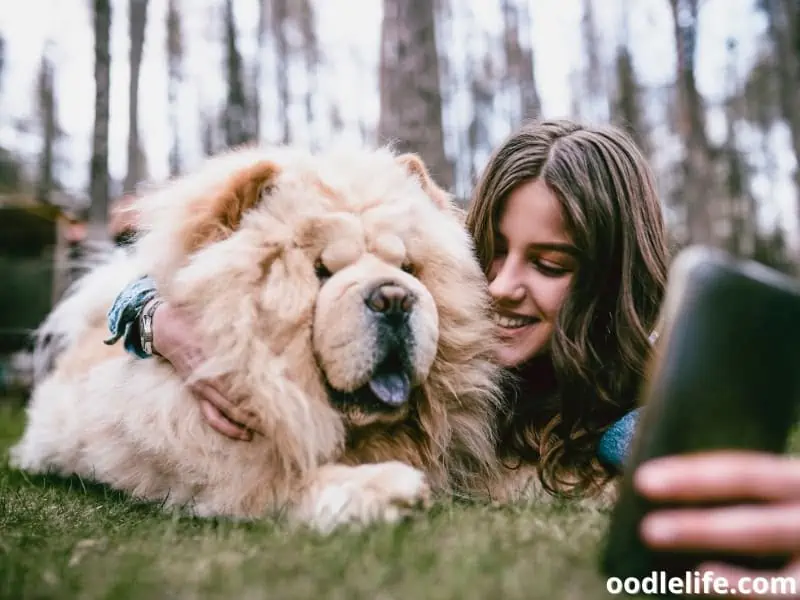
(616, 441)
(123, 316)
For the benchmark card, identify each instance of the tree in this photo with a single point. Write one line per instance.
(136, 23)
(47, 111)
(98, 177)
(697, 173)
(236, 119)
(2, 59)
(175, 72)
(593, 104)
(279, 17)
(520, 79)
(410, 92)
(627, 110)
(784, 30)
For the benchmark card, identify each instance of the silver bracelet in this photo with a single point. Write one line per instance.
(146, 325)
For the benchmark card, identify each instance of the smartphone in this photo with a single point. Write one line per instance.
(724, 374)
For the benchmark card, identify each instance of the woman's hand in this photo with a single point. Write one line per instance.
(172, 339)
(764, 519)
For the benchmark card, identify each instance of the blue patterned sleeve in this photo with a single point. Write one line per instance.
(616, 441)
(123, 316)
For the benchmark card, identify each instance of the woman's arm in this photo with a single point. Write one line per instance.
(124, 315)
(148, 326)
(616, 441)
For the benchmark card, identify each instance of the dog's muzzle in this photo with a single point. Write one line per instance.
(389, 307)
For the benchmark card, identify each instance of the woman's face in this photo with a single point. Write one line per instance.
(530, 274)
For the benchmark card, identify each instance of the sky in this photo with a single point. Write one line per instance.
(349, 32)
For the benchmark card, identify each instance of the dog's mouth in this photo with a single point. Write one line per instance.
(388, 390)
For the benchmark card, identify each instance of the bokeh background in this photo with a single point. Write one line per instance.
(101, 97)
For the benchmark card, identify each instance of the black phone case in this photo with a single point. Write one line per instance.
(725, 374)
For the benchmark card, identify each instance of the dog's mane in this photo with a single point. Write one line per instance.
(450, 435)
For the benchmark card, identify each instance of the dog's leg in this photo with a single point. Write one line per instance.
(360, 495)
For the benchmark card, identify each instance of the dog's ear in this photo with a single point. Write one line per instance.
(413, 164)
(216, 216)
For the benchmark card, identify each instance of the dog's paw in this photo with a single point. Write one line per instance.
(365, 494)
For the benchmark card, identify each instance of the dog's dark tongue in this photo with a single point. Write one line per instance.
(391, 388)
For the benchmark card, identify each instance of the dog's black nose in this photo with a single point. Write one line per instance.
(390, 300)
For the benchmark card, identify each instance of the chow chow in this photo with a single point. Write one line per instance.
(338, 293)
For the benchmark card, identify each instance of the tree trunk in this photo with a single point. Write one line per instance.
(136, 24)
(175, 71)
(2, 60)
(98, 212)
(627, 111)
(784, 28)
(305, 17)
(280, 15)
(410, 93)
(519, 65)
(594, 103)
(698, 166)
(238, 129)
(529, 92)
(47, 109)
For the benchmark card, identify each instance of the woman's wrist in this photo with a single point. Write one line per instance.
(146, 319)
(124, 314)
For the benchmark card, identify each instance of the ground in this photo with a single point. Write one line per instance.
(69, 539)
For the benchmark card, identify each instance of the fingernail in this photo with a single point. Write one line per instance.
(657, 531)
(647, 479)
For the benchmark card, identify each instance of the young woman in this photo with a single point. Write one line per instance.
(568, 227)
(569, 230)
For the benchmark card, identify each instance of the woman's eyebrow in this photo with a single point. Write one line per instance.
(564, 247)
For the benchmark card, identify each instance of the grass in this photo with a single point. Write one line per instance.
(68, 539)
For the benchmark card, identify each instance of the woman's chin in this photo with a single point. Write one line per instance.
(520, 345)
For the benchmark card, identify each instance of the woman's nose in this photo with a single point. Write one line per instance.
(506, 284)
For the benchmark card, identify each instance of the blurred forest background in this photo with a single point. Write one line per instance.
(98, 97)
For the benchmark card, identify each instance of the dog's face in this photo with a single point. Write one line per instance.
(356, 265)
(375, 327)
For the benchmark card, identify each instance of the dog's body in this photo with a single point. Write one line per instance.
(338, 294)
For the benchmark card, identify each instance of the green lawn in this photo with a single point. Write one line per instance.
(68, 539)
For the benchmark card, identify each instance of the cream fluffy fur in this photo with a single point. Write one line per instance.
(273, 252)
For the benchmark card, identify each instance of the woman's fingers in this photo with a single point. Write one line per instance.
(725, 476)
(209, 390)
(744, 529)
(220, 423)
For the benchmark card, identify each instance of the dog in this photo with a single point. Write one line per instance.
(339, 294)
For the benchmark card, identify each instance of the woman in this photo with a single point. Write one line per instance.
(568, 227)
(569, 230)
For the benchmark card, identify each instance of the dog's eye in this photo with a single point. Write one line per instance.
(408, 268)
(321, 270)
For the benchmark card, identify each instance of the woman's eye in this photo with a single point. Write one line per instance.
(321, 270)
(550, 269)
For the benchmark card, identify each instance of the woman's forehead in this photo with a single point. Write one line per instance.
(532, 214)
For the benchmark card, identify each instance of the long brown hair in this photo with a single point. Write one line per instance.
(561, 405)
